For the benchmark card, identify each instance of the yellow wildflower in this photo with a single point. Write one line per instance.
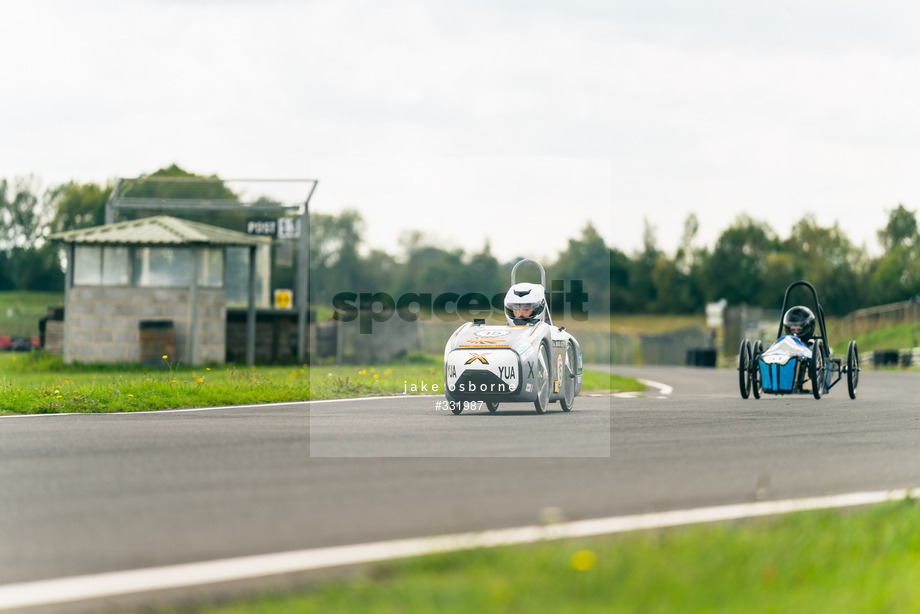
(583, 560)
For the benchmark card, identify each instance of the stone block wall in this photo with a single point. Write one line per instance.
(103, 323)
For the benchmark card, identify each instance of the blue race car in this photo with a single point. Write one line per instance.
(800, 361)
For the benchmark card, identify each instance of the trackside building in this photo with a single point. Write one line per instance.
(148, 285)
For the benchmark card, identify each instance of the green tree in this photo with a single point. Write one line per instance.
(29, 262)
(6, 272)
(737, 267)
(24, 214)
(379, 272)
(901, 228)
(676, 282)
(641, 276)
(78, 205)
(441, 271)
(827, 258)
(484, 274)
(587, 259)
(675, 290)
(621, 300)
(37, 269)
(176, 184)
(335, 264)
(895, 276)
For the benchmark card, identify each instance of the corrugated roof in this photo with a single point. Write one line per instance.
(158, 230)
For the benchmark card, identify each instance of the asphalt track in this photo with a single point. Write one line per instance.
(85, 494)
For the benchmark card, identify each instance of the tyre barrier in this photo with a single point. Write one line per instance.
(884, 358)
(701, 357)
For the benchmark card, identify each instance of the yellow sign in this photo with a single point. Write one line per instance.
(284, 299)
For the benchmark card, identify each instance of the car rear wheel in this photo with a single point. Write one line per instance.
(816, 369)
(852, 369)
(568, 379)
(744, 368)
(492, 405)
(756, 378)
(542, 399)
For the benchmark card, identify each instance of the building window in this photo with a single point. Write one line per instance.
(162, 266)
(171, 267)
(87, 266)
(116, 263)
(97, 265)
(211, 268)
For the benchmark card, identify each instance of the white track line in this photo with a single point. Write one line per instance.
(229, 407)
(76, 588)
(663, 390)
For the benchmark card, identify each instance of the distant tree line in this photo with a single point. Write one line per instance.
(749, 263)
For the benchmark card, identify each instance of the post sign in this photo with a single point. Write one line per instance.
(266, 228)
(282, 228)
(289, 228)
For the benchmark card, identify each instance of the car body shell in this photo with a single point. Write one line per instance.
(504, 363)
(501, 363)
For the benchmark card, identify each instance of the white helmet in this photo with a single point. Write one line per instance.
(525, 295)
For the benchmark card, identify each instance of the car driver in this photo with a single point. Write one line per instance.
(799, 321)
(525, 304)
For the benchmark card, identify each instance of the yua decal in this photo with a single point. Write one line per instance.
(506, 372)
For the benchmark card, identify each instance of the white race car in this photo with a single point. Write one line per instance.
(527, 360)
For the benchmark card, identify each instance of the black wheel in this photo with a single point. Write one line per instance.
(568, 379)
(756, 378)
(852, 369)
(542, 399)
(816, 370)
(492, 405)
(744, 368)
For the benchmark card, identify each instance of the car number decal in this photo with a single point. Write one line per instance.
(484, 342)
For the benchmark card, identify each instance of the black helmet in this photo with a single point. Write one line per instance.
(801, 318)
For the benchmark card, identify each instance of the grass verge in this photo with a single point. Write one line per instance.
(38, 383)
(826, 561)
(21, 311)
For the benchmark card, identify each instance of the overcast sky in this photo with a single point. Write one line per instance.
(514, 122)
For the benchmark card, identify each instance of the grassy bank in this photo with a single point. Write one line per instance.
(827, 561)
(21, 311)
(35, 383)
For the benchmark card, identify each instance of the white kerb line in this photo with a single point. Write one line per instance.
(76, 588)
